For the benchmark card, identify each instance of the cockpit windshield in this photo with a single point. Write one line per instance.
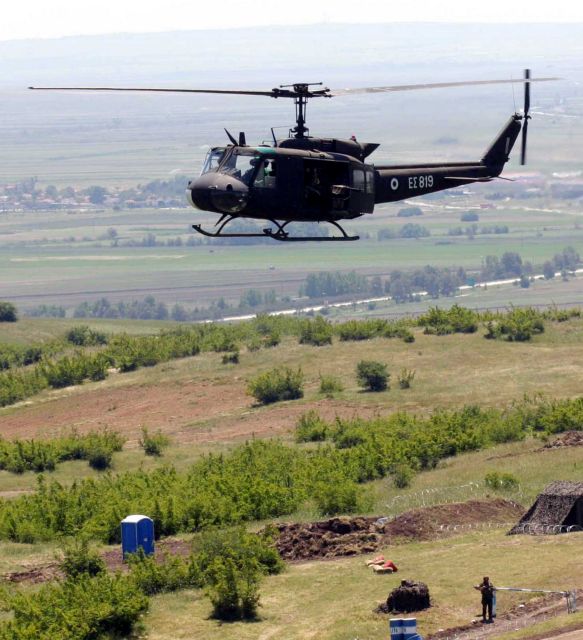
(213, 159)
(241, 166)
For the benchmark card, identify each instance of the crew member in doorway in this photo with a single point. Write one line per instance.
(487, 590)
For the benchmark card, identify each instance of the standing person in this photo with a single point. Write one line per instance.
(487, 589)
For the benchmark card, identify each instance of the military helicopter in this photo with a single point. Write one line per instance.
(310, 179)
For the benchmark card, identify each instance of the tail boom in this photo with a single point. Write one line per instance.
(399, 182)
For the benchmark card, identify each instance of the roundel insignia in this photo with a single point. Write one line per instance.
(394, 184)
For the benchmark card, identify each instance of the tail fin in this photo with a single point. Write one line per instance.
(498, 152)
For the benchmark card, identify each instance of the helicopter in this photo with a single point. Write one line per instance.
(325, 180)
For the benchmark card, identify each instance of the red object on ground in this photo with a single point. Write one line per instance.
(389, 564)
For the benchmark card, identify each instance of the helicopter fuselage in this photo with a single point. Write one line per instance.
(325, 180)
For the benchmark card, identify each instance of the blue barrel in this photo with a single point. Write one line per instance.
(137, 532)
(395, 625)
(409, 627)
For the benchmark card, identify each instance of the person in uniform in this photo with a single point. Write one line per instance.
(487, 590)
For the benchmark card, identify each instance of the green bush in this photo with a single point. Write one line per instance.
(501, 481)
(402, 476)
(281, 383)
(164, 573)
(406, 377)
(233, 590)
(311, 428)
(340, 496)
(329, 385)
(372, 375)
(444, 321)
(82, 608)
(18, 456)
(8, 312)
(317, 332)
(83, 336)
(80, 558)
(100, 458)
(517, 325)
(153, 444)
(230, 358)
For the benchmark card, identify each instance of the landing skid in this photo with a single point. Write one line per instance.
(279, 233)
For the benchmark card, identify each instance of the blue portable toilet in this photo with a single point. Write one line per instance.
(137, 531)
(396, 628)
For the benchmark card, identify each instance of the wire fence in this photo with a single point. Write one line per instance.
(449, 494)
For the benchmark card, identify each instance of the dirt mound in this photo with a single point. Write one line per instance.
(346, 536)
(329, 538)
(425, 523)
(409, 596)
(567, 439)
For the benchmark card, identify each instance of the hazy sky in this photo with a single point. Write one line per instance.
(54, 18)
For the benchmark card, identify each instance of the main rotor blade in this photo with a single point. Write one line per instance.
(432, 85)
(221, 91)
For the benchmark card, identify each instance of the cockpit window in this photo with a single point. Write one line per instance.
(241, 166)
(213, 159)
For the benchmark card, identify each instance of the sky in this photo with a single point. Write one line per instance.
(23, 19)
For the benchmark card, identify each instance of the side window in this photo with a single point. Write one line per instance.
(358, 181)
(266, 176)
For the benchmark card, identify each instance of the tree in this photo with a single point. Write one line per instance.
(408, 212)
(96, 194)
(548, 270)
(372, 375)
(8, 312)
(412, 230)
(469, 216)
(511, 263)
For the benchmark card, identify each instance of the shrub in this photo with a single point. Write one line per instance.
(372, 375)
(329, 385)
(317, 332)
(501, 481)
(83, 336)
(233, 563)
(406, 377)
(281, 383)
(153, 444)
(231, 358)
(444, 321)
(76, 609)
(233, 590)
(311, 428)
(100, 458)
(271, 339)
(8, 312)
(163, 573)
(338, 496)
(517, 325)
(79, 558)
(402, 476)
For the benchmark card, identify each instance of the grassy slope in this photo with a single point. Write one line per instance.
(334, 599)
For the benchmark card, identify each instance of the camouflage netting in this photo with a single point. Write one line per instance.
(410, 596)
(561, 503)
